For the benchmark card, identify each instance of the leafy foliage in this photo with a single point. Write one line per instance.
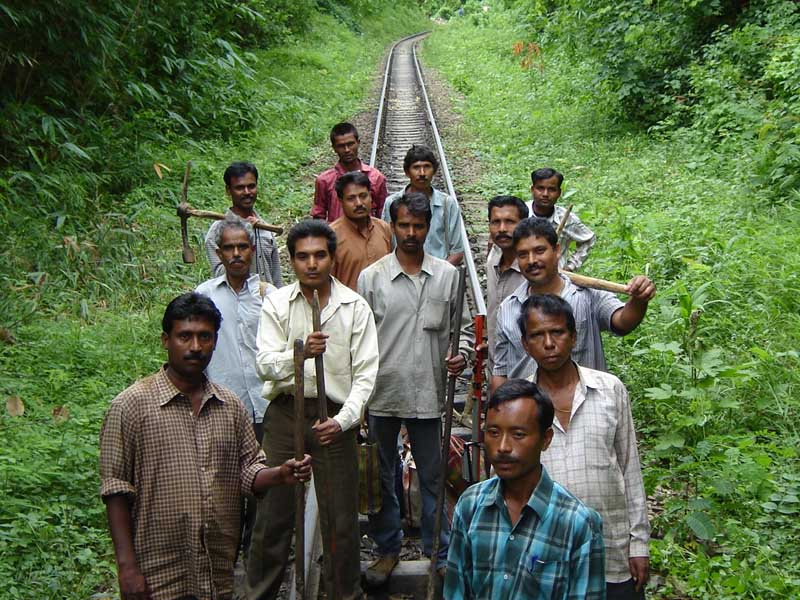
(713, 369)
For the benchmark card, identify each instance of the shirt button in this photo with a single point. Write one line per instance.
(505, 576)
(511, 537)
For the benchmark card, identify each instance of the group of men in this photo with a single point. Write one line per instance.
(178, 463)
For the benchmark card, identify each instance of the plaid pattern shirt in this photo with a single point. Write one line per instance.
(596, 459)
(184, 476)
(593, 310)
(555, 550)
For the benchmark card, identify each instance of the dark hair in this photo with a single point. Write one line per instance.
(549, 304)
(535, 227)
(343, 129)
(238, 169)
(355, 177)
(416, 203)
(513, 389)
(499, 201)
(187, 306)
(419, 153)
(311, 228)
(546, 173)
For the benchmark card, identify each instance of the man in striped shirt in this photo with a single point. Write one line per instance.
(538, 252)
(593, 450)
(520, 534)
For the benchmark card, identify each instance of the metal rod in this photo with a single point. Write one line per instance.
(448, 428)
(300, 487)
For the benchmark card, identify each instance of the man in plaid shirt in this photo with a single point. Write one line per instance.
(593, 451)
(520, 534)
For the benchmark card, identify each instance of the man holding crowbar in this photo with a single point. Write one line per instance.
(346, 333)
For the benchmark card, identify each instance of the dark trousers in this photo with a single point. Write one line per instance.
(272, 534)
(623, 591)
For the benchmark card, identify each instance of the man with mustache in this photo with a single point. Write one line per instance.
(537, 249)
(502, 268)
(444, 234)
(345, 143)
(241, 185)
(237, 295)
(350, 347)
(545, 192)
(593, 452)
(361, 239)
(177, 452)
(520, 534)
(413, 297)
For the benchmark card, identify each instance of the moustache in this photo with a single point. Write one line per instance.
(194, 356)
(502, 236)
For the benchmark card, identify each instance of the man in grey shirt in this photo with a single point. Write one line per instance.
(237, 295)
(413, 297)
(241, 185)
(538, 253)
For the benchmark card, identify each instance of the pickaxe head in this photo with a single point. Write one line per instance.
(183, 213)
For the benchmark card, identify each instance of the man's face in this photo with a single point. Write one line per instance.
(420, 174)
(189, 346)
(546, 193)
(538, 260)
(410, 231)
(513, 441)
(235, 252)
(356, 202)
(243, 192)
(548, 340)
(346, 147)
(502, 221)
(312, 263)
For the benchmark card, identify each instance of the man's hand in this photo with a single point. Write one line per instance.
(132, 585)
(294, 471)
(640, 570)
(252, 219)
(641, 288)
(315, 344)
(456, 364)
(328, 431)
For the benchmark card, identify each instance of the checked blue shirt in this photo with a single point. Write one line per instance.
(555, 550)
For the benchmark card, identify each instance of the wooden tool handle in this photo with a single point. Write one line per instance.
(596, 284)
(299, 452)
(210, 214)
(319, 362)
(564, 220)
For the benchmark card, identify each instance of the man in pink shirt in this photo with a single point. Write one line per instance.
(344, 139)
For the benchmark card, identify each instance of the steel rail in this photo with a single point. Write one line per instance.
(477, 293)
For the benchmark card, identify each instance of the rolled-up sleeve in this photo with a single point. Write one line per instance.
(116, 454)
(364, 364)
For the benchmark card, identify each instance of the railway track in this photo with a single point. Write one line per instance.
(406, 117)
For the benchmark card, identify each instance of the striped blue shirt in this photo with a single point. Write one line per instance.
(555, 550)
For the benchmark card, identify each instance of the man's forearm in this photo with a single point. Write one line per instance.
(627, 318)
(119, 523)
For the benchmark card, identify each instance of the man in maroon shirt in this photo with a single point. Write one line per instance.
(344, 139)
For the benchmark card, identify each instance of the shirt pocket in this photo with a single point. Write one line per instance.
(436, 315)
(545, 579)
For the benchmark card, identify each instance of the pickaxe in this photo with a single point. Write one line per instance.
(185, 211)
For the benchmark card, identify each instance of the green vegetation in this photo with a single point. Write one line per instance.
(103, 105)
(713, 370)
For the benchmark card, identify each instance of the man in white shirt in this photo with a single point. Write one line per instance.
(350, 346)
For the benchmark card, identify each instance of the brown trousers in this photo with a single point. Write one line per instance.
(274, 525)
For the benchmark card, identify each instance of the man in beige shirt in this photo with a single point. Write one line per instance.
(177, 452)
(350, 348)
(503, 275)
(361, 239)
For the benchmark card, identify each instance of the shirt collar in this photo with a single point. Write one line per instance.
(250, 283)
(395, 269)
(339, 168)
(539, 501)
(167, 392)
(340, 294)
(494, 258)
(437, 197)
(230, 213)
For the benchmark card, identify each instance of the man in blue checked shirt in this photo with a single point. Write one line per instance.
(520, 534)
